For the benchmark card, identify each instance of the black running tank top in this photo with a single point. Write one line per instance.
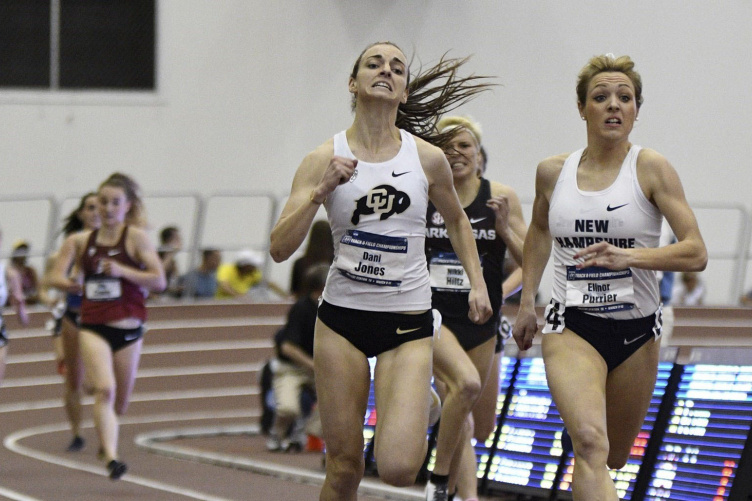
(449, 285)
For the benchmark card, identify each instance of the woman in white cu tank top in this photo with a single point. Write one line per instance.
(601, 210)
(373, 180)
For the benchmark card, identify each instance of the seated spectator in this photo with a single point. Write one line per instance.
(293, 372)
(690, 291)
(320, 249)
(236, 279)
(170, 243)
(746, 299)
(202, 282)
(29, 277)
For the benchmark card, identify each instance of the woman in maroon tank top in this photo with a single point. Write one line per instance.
(120, 264)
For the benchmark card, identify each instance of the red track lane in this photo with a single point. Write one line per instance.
(198, 373)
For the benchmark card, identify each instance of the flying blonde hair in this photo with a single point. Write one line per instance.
(449, 123)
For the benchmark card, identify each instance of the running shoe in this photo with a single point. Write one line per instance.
(76, 444)
(436, 492)
(117, 469)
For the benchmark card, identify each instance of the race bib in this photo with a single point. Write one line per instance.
(371, 258)
(103, 289)
(447, 273)
(600, 289)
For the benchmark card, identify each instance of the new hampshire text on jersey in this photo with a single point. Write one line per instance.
(593, 226)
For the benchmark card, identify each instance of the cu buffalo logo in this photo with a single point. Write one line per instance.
(384, 200)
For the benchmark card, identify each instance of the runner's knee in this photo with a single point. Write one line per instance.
(105, 393)
(398, 470)
(344, 471)
(468, 389)
(590, 443)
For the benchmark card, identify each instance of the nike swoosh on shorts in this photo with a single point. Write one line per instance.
(635, 339)
(400, 331)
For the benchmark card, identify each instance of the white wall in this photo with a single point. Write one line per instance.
(246, 88)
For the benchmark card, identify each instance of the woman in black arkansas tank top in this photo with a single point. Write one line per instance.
(464, 354)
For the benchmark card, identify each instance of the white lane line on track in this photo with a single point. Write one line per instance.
(153, 442)
(15, 496)
(158, 349)
(188, 370)
(238, 391)
(11, 442)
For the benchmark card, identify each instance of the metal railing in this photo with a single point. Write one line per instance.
(233, 220)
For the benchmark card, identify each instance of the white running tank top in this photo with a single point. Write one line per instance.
(378, 222)
(620, 215)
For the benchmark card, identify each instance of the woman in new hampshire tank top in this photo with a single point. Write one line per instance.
(601, 208)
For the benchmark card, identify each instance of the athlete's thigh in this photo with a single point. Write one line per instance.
(482, 357)
(97, 358)
(71, 352)
(629, 389)
(576, 375)
(484, 410)
(450, 361)
(402, 388)
(69, 337)
(343, 381)
(125, 365)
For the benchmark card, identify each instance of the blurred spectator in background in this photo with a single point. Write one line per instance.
(320, 249)
(170, 243)
(690, 291)
(236, 279)
(293, 370)
(10, 292)
(202, 281)
(28, 275)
